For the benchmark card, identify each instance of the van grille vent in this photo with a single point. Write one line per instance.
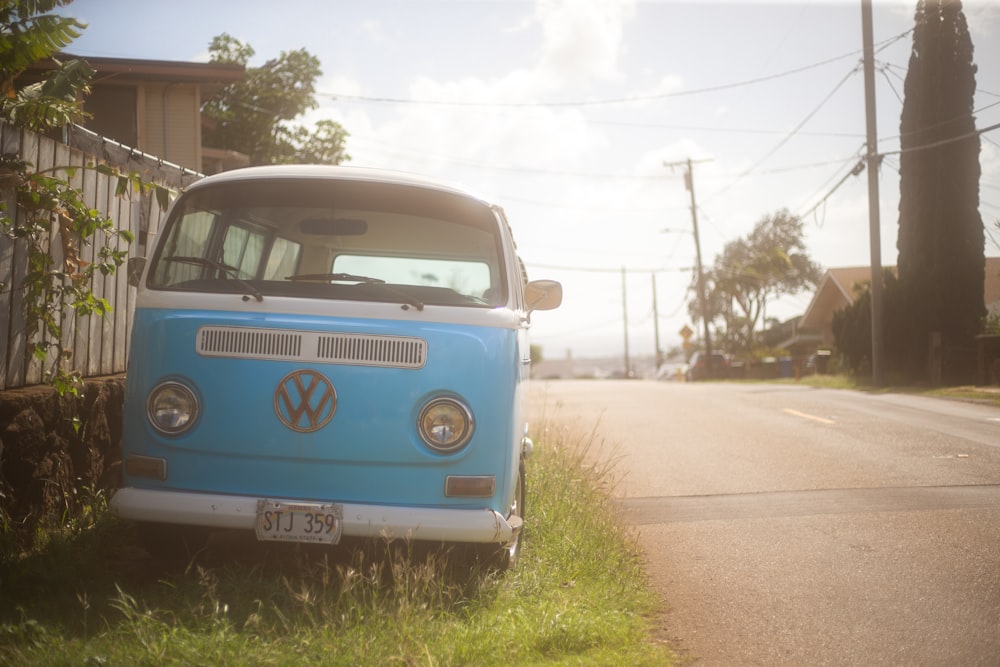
(226, 342)
(373, 350)
(312, 346)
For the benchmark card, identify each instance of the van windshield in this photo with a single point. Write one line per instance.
(333, 239)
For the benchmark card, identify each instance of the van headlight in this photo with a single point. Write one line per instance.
(445, 424)
(172, 408)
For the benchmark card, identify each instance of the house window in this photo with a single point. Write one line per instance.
(114, 113)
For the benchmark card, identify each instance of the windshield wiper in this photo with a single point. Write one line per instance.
(339, 277)
(232, 271)
(364, 280)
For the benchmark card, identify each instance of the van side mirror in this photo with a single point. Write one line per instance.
(543, 294)
(135, 268)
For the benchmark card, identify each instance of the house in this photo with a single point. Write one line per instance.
(839, 287)
(154, 106)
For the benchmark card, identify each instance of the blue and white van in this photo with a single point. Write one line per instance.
(321, 352)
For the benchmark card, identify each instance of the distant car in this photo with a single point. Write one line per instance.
(698, 366)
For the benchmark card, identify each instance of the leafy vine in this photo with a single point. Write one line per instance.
(50, 207)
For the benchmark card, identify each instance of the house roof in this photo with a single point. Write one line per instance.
(835, 290)
(131, 70)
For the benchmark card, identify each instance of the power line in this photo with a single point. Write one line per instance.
(992, 238)
(704, 128)
(605, 102)
(787, 138)
(855, 170)
(860, 166)
(942, 142)
(883, 71)
(850, 161)
(942, 123)
(895, 167)
(579, 174)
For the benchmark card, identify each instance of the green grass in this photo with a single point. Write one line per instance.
(87, 595)
(969, 393)
(822, 381)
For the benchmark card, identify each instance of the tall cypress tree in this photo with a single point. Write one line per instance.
(941, 239)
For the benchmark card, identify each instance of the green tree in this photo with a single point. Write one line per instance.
(941, 239)
(30, 33)
(724, 323)
(256, 115)
(769, 262)
(324, 145)
(852, 327)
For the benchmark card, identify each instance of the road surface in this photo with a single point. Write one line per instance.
(786, 525)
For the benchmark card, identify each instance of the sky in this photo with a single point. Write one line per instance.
(577, 115)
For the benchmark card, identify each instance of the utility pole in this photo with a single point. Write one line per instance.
(628, 363)
(700, 276)
(873, 207)
(656, 328)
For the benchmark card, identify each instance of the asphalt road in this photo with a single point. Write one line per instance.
(785, 525)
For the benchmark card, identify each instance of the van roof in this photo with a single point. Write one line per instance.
(323, 172)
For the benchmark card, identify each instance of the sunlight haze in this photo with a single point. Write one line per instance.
(566, 113)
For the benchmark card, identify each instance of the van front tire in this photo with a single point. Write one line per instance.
(504, 557)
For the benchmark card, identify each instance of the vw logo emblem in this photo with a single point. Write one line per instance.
(305, 401)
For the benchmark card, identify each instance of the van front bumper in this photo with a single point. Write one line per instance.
(240, 512)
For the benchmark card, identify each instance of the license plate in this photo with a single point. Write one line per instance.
(299, 522)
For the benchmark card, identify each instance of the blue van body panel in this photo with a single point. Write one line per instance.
(369, 452)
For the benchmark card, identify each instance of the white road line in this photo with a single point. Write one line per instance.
(821, 420)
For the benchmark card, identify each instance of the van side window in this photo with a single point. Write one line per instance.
(189, 239)
(243, 249)
(283, 259)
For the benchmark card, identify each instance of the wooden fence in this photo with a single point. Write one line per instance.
(99, 345)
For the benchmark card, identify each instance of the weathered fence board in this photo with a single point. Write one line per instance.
(118, 293)
(98, 344)
(10, 144)
(18, 355)
(53, 155)
(82, 351)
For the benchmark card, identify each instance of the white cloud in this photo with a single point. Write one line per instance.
(373, 28)
(983, 17)
(582, 38)
(581, 42)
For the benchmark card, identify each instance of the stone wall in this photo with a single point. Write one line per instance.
(58, 454)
